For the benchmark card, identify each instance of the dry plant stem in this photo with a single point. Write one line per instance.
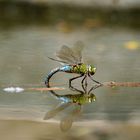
(121, 84)
(46, 89)
(109, 84)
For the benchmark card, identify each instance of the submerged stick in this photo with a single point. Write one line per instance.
(26, 87)
(46, 89)
(13, 89)
(19, 89)
(121, 84)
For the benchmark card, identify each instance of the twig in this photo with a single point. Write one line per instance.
(121, 84)
(109, 84)
(46, 89)
(19, 89)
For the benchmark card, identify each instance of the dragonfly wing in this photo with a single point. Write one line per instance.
(65, 54)
(55, 111)
(66, 123)
(77, 49)
(70, 55)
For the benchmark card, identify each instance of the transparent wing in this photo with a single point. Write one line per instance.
(78, 48)
(66, 122)
(50, 114)
(70, 55)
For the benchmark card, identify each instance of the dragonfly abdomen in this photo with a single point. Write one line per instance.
(66, 68)
(50, 75)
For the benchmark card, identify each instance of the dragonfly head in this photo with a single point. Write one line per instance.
(91, 69)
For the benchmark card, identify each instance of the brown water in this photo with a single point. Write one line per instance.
(23, 62)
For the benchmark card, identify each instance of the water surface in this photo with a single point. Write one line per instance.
(24, 63)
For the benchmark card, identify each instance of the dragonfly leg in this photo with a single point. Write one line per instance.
(75, 89)
(93, 88)
(95, 80)
(84, 79)
(84, 88)
(70, 80)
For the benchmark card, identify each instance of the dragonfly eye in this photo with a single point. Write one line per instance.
(92, 70)
(92, 73)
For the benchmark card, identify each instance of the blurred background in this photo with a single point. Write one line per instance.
(31, 30)
(69, 13)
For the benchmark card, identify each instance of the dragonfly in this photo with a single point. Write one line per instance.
(72, 62)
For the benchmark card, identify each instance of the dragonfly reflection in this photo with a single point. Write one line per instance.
(78, 100)
(71, 59)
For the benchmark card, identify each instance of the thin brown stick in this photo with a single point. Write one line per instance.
(46, 89)
(108, 84)
(121, 84)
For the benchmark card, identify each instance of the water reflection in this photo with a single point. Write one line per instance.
(82, 97)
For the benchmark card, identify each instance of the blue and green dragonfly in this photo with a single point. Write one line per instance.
(71, 60)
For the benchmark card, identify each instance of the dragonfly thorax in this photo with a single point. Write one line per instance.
(83, 69)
